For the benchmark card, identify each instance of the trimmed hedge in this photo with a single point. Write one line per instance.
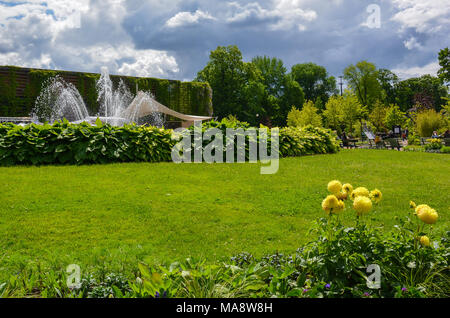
(66, 143)
(19, 88)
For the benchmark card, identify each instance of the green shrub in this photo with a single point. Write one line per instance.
(306, 116)
(66, 143)
(433, 144)
(445, 149)
(429, 121)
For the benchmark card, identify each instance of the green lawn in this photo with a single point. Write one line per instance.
(114, 215)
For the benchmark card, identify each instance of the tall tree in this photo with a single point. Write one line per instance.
(314, 81)
(281, 91)
(272, 73)
(418, 93)
(444, 62)
(377, 116)
(363, 80)
(227, 75)
(352, 110)
(388, 81)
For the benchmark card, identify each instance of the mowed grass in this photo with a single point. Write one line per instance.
(115, 215)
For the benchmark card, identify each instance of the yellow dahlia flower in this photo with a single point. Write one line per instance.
(376, 195)
(426, 214)
(362, 205)
(348, 188)
(424, 240)
(330, 203)
(334, 186)
(340, 207)
(359, 192)
(342, 195)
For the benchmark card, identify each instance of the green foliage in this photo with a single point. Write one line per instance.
(429, 121)
(394, 117)
(332, 266)
(444, 62)
(314, 80)
(67, 143)
(433, 144)
(352, 110)
(306, 141)
(378, 117)
(227, 75)
(388, 83)
(187, 97)
(307, 116)
(445, 149)
(423, 92)
(363, 80)
(333, 113)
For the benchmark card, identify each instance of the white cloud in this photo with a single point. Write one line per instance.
(188, 18)
(417, 71)
(53, 36)
(425, 16)
(412, 43)
(283, 15)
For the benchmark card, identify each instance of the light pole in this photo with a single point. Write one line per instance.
(341, 82)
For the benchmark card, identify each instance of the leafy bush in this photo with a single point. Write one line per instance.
(429, 121)
(394, 117)
(308, 140)
(433, 144)
(306, 116)
(66, 143)
(445, 149)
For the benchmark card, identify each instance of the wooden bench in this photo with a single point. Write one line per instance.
(393, 142)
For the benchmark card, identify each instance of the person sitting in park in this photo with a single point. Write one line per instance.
(435, 134)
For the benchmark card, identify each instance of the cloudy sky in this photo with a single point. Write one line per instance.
(173, 38)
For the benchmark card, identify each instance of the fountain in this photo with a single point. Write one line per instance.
(59, 99)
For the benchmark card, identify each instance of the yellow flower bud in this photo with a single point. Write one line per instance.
(334, 186)
(425, 241)
(376, 195)
(362, 205)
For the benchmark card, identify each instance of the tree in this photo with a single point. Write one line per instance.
(388, 81)
(394, 117)
(444, 62)
(333, 113)
(377, 116)
(363, 80)
(314, 81)
(426, 92)
(228, 76)
(281, 91)
(307, 116)
(352, 110)
(273, 73)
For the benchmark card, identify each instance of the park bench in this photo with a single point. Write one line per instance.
(393, 142)
(447, 142)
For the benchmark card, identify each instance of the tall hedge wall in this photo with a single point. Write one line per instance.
(19, 88)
